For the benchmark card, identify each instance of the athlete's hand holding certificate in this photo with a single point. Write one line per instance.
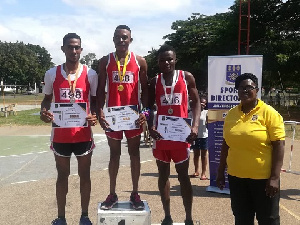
(122, 117)
(69, 114)
(174, 128)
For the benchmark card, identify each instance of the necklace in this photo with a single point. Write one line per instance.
(169, 98)
(72, 85)
(121, 75)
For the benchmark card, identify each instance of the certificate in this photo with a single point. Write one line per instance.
(174, 128)
(122, 117)
(69, 114)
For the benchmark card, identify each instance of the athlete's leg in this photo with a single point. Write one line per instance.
(196, 161)
(84, 166)
(135, 163)
(204, 161)
(63, 172)
(114, 162)
(164, 185)
(185, 187)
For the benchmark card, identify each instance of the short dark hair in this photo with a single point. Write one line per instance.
(165, 48)
(125, 27)
(245, 76)
(71, 36)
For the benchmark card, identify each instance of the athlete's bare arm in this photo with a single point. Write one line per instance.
(143, 79)
(45, 115)
(144, 86)
(151, 100)
(101, 91)
(152, 129)
(194, 96)
(92, 116)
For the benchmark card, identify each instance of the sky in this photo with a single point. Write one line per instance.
(45, 22)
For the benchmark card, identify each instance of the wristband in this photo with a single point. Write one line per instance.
(146, 112)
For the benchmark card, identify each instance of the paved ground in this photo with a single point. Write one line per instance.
(33, 202)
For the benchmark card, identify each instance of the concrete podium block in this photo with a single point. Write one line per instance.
(123, 214)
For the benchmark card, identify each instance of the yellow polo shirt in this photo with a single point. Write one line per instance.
(249, 139)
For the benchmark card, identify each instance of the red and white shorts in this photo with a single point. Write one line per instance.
(177, 155)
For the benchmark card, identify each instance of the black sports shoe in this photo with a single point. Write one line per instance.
(84, 220)
(136, 201)
(59, 221)
(167, 221)
(110, 201)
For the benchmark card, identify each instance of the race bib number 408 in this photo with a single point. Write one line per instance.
(128, 78)
(65, 94)
(176, 100)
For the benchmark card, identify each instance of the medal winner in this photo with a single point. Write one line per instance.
(68, 83)
(125, 74)
(170, 90)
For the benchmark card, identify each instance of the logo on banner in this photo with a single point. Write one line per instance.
(232, 72)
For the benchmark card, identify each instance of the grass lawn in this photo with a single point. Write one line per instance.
(26, 117)
(21, 99)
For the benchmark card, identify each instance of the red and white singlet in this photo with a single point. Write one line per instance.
(131, 93)
(61, 95)
(179, 104)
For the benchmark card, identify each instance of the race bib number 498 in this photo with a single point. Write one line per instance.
(65, 94)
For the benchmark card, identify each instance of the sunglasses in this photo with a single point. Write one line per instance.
(247, 88)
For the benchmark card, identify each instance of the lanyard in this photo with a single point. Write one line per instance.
(169, 98)
(72, 86)
(121, 75)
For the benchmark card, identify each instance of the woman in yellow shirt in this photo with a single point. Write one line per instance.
(252, 150)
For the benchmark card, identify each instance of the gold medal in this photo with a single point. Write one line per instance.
(123, 72)
(120, 87)
(170, 111)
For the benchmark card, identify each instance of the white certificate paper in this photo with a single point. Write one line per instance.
(69, 114)
(122, 117)
(174, 128)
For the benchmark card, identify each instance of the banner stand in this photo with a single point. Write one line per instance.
(222, 96)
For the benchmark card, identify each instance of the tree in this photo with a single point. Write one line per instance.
(88, 59)
(43, 59)
(274, 33)
(91, 61)
(152, 63)
(23, 64)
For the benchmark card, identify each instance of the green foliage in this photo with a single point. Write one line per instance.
(274, 33)
(90, 60)
(152, 63)
(23, 64)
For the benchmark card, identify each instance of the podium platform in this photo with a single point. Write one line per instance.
(122, 213)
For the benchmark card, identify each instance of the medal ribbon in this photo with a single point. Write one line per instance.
(72, 86)
(163, 82)
(121, 75)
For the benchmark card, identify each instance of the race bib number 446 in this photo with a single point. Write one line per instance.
(176, 100)
(65, 94)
